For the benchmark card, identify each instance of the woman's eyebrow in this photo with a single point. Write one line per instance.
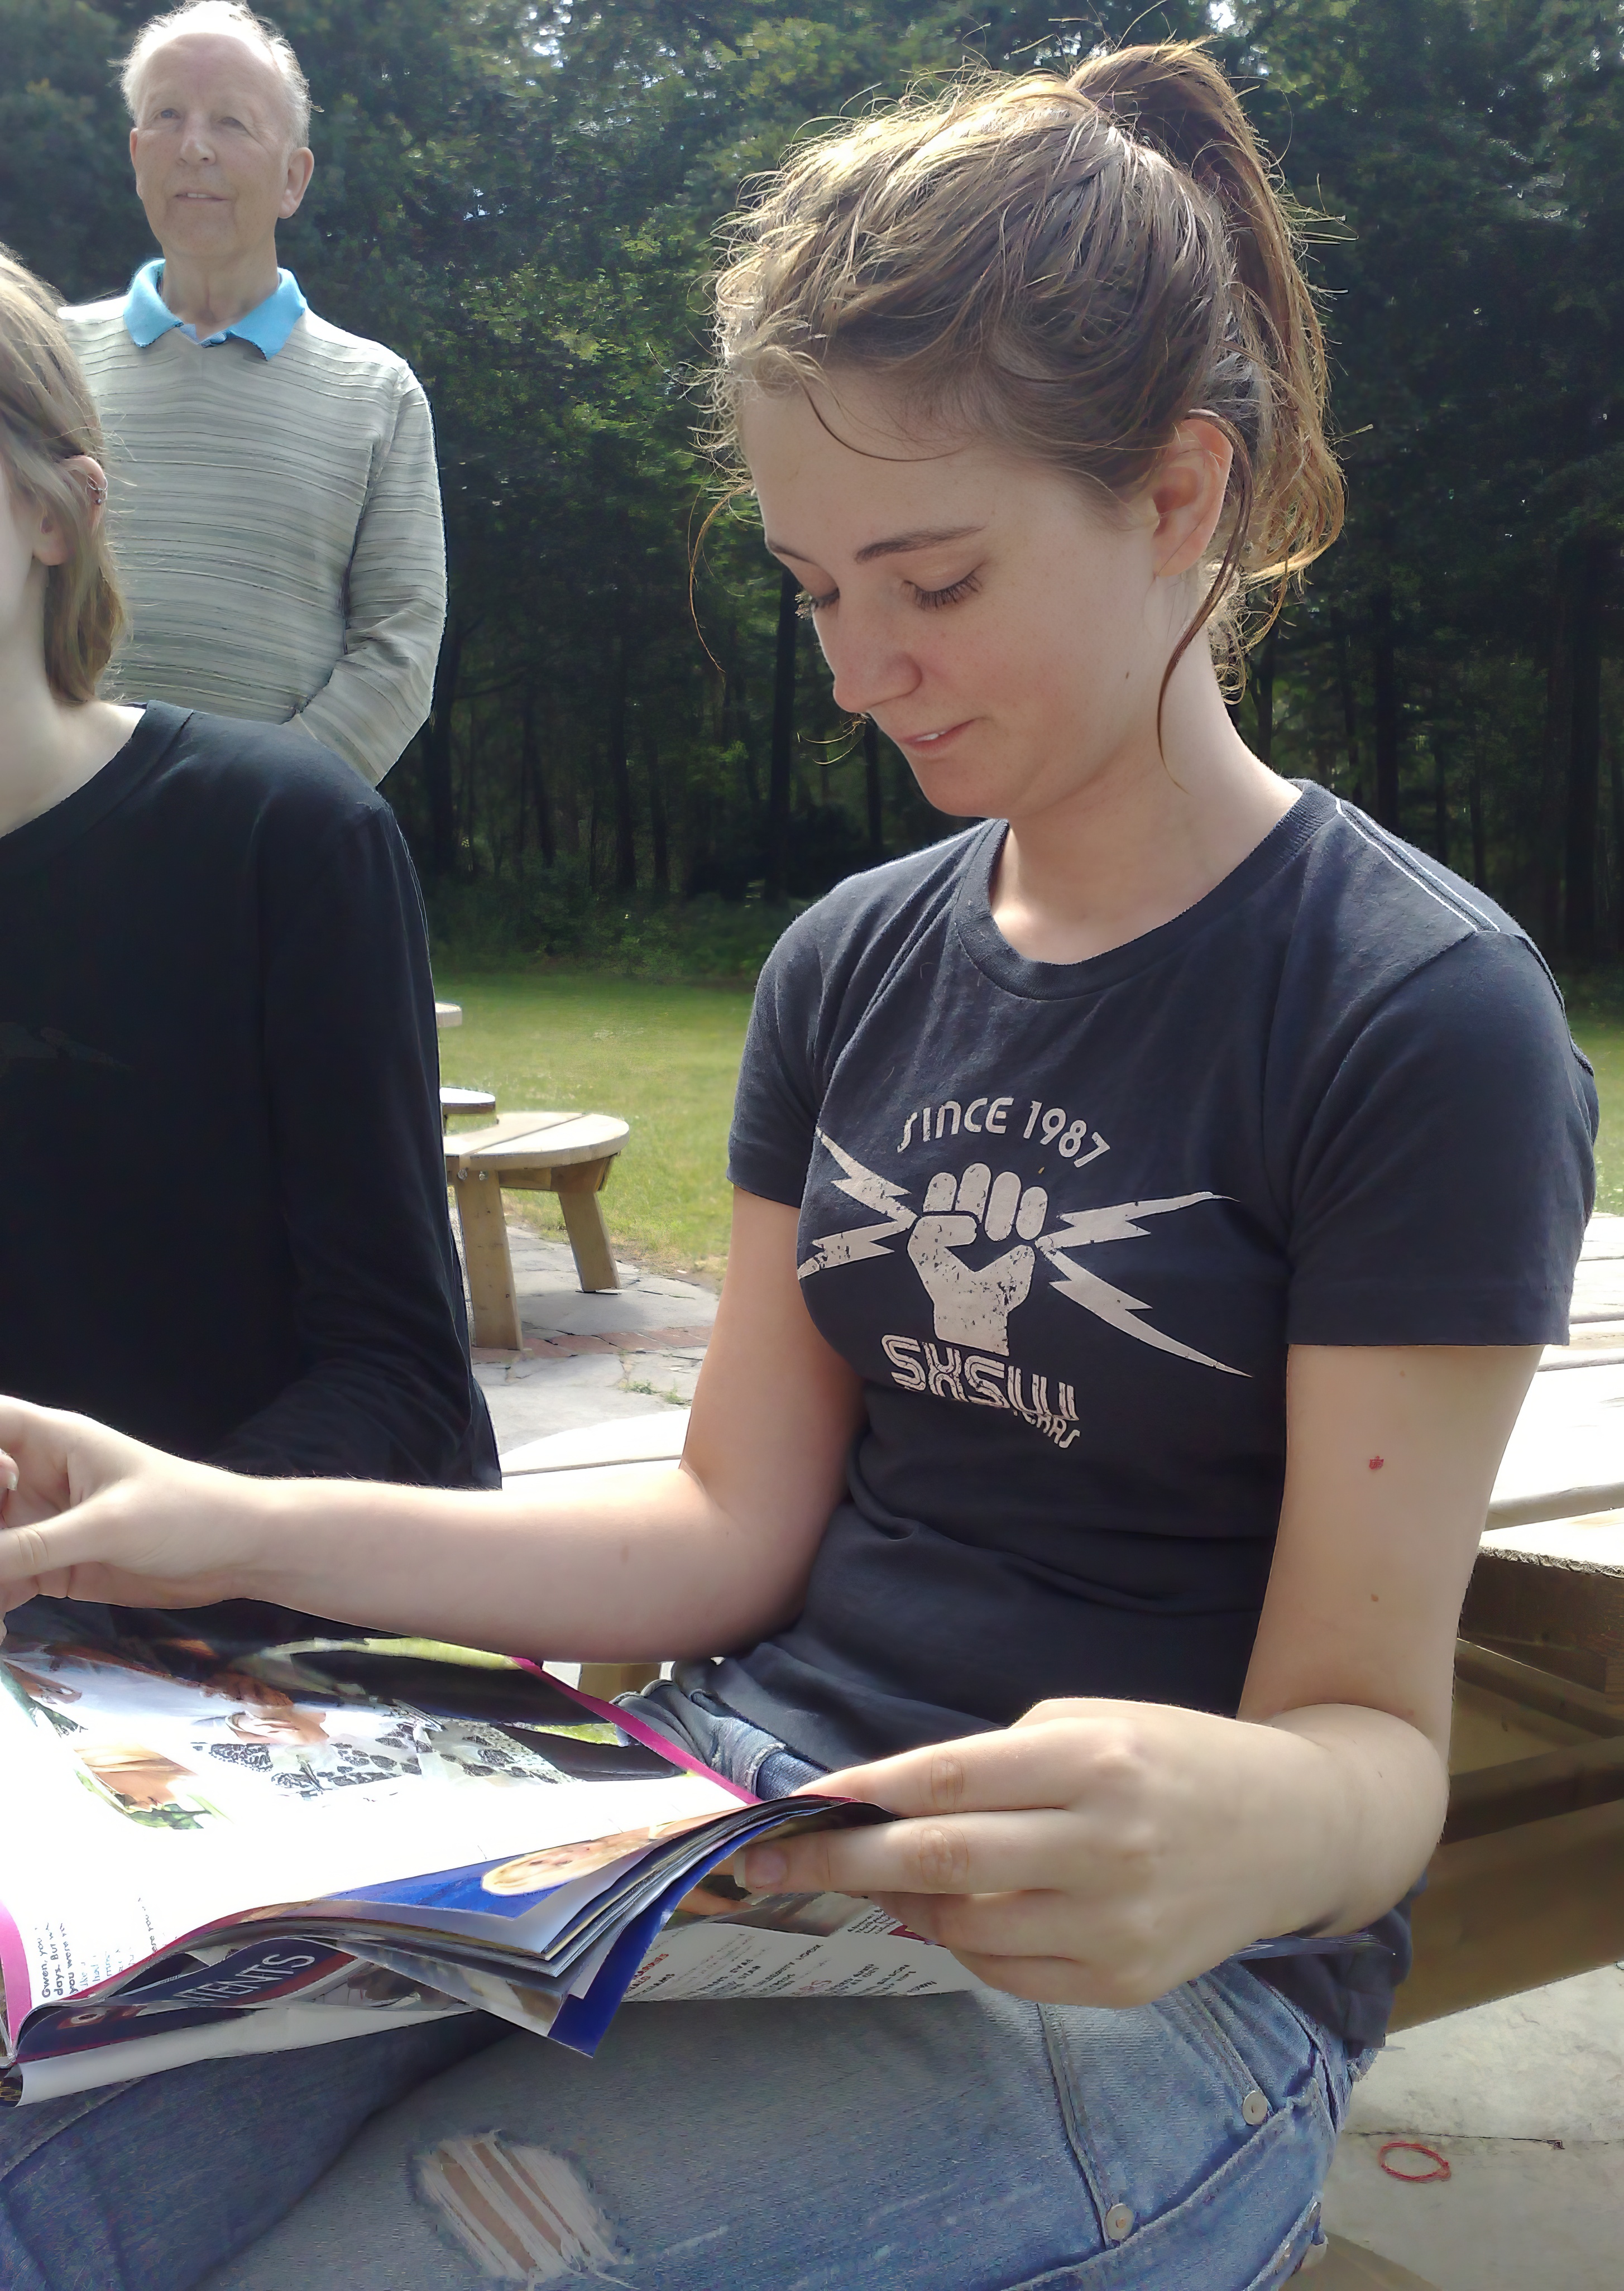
(897, 545)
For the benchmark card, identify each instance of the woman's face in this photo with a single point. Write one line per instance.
(1007, 632)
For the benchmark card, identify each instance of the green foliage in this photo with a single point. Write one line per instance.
(550, 920)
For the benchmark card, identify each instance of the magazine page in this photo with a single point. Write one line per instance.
(273, 1995)
(723, 1943)
(146, 1807)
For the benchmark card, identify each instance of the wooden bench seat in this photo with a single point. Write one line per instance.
(570, 1154)
(465, 1101)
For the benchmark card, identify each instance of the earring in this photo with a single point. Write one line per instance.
(96, 487)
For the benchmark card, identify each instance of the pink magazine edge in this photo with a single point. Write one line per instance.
(649, 1736)
(14, 1963)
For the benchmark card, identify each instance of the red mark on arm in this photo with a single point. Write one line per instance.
(1376, 1463)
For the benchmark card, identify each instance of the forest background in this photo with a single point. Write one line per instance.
(629, 767)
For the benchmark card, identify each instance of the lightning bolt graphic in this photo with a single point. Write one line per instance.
(1081, 1229)
(874, 1192)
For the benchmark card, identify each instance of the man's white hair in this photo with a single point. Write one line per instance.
(236, 22)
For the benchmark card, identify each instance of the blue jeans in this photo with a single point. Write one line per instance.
(969, 2142)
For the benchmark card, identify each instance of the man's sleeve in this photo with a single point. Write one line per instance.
(395, 607)
(386, 1392)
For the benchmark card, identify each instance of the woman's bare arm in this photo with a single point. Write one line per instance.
(641, 1561)
(1102, 1851)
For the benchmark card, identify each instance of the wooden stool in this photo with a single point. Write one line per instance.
(568, 1154)
(465, 1101)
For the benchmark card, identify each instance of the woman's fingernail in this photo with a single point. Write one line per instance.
(764, 1868)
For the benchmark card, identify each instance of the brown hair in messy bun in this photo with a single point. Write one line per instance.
(1070, 266)
(47, 416)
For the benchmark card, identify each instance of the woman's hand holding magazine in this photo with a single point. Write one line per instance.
(1095, 1853)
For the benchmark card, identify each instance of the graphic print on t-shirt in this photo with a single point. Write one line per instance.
(972, 1305)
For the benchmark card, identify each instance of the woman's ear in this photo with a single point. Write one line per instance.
(53, 544)
(1187, 494)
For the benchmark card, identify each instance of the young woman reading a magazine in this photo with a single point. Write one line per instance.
(1151, 1204)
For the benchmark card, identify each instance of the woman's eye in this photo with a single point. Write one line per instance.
(806, 603)
(951, 595)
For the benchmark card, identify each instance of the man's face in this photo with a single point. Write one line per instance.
(213, 165)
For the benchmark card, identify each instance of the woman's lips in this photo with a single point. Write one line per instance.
(931, 743)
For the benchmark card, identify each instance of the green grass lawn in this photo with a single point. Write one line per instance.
(664, 1058)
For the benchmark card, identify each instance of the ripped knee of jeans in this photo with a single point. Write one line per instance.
(521, 2214)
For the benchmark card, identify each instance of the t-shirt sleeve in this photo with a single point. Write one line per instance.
(1446, 1172)
(775, 1112)
(352, 1064)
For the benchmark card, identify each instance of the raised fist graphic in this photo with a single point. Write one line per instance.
(973, 1303)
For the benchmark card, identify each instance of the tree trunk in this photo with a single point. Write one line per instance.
(471, 786)
(1553, 758)
(1263, 694)
(534, 778)
(1615, 773)
(659, 830)
(1350, 721)
(620, 774)
(1440, 799)
(437, 758)
(784, 741)
(569, 812)
(1480, 861)
(876, 795)
(1591, 564)
(1384, 668)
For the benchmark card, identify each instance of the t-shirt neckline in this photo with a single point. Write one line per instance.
(40, 839)
(1049, 982)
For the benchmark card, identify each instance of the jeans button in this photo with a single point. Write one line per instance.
(1254, 2108)
(1119, 2223)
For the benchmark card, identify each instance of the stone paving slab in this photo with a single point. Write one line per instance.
(1547, 2065)
(591, 1358)
(1512, 2216)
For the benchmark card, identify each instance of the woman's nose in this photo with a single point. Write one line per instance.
(869, 668)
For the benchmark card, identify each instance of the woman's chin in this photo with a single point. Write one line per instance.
(961, 792)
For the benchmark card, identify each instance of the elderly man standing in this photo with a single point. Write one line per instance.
(275, 503)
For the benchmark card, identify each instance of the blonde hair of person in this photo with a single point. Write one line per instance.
(1070, 266)
(47, 416)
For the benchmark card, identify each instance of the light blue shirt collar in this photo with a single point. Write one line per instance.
(267, 327)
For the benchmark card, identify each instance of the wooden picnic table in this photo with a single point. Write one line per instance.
(570, 1154)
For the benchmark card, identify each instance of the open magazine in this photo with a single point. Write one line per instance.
(213, 1847)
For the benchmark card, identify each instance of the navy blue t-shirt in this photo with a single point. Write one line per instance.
(1065, 1219)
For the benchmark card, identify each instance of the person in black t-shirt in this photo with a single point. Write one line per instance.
(1150, 1209)
(223, 1220)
